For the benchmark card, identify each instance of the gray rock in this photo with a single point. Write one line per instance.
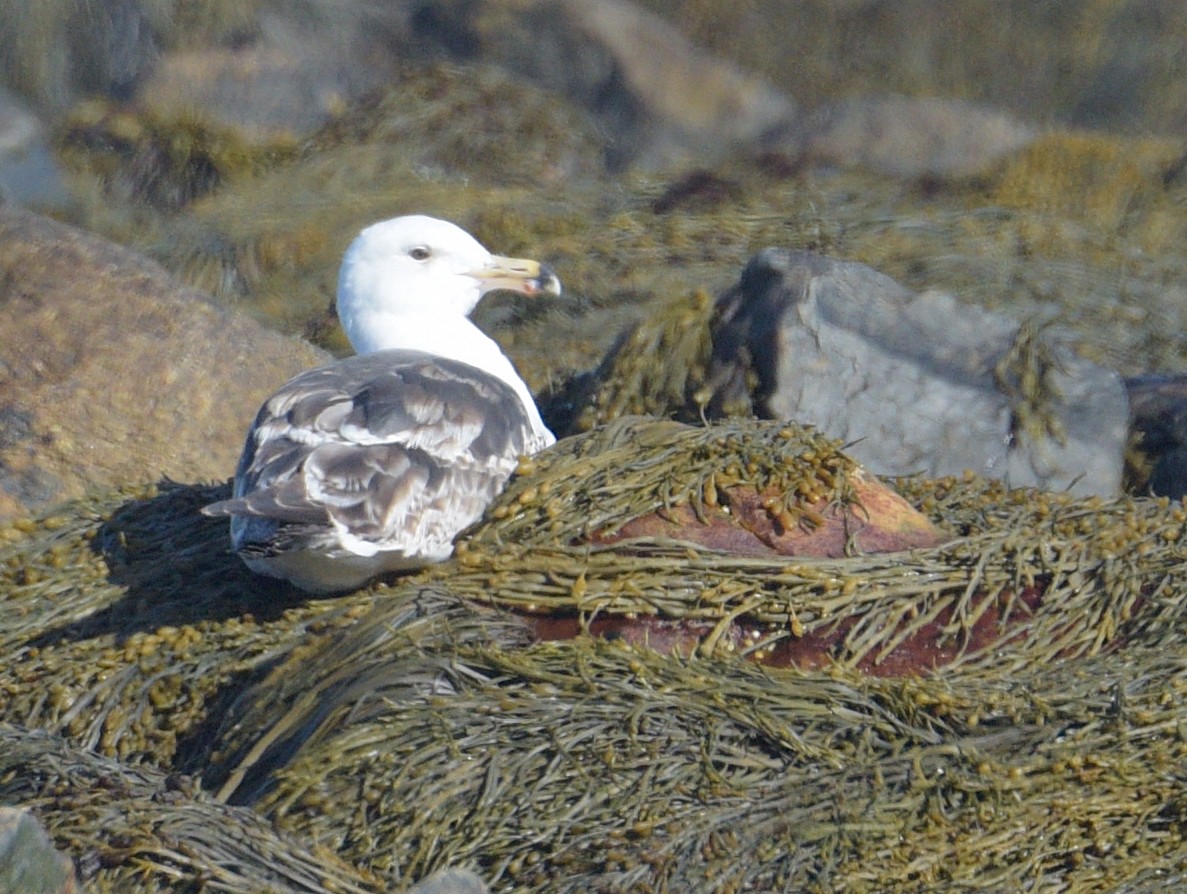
(57, 52)
(28, 862)
(29, 175)
(301, 67)
(662, 101)
(451, 881)
(263, 68)
(917, 383)
(111, 373)
(913, 136)
(659, 99)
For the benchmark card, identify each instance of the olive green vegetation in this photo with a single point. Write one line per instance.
(271, 234)
(166, 834)
(416, 724)
(164, 163)
(631, 466)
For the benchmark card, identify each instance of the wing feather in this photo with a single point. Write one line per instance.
(394, 451)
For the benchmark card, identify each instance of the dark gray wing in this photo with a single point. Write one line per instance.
(395, 450)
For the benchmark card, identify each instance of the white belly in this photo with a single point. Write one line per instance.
(317, 572)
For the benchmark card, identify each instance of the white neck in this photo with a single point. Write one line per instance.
(457, 340)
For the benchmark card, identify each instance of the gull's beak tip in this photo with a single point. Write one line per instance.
(548, 282)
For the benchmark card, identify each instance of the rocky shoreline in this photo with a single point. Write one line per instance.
(671, 657)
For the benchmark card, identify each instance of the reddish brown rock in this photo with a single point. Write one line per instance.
(747, 523)
(925, 650)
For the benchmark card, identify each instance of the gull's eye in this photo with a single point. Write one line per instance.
(420, 253)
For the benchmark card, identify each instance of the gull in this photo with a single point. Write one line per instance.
(374, 463)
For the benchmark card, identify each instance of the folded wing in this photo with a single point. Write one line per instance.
(395, 451)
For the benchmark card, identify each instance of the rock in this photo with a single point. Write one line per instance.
(261, 92)
(451, 881)
(62, 51)
(913, 137)
(255, 67)
(1159, 411)
(916, 383)
(28, 173)
(660, 100)
(296, 72)
(1116, 68)
(745, 522)
(28, 862)
(112, 373)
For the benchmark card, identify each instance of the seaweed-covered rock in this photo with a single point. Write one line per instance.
(163, 161)
(742, 489)
(915, 383)
(476, 120)
(957, 709)
(110, 371)
(142, 829)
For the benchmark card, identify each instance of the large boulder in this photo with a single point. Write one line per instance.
(110, 372)
(916, 382)
(659, 99)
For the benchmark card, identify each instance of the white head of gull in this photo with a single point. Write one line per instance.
(375, 463)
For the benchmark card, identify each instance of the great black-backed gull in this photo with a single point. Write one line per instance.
(375, 463)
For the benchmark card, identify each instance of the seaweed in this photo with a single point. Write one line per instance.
(423, 722)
